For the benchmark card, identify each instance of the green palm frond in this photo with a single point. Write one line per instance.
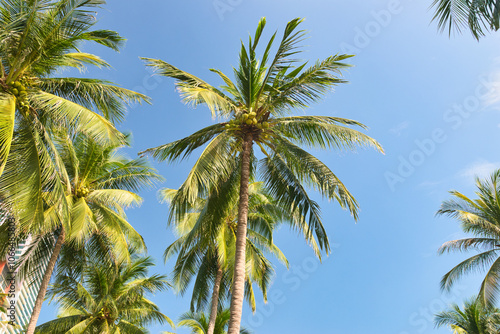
(478, 16)
(94, 94)
(198, 322)
(287, 189)
(183, 148)
(7, 116)
(77, 116)
(108, 297)
(478, 217)
(193, 90)
(324, 132)
(30, 179)
(472, 318)
(479, 262)
(299, 90)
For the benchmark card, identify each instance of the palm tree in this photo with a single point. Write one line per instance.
(257, 106)
(206, 249)
(109, 299)
(38, 39)
(477, 16)
(198, 323)
(474, 318)
(102, 184)
(480, 217)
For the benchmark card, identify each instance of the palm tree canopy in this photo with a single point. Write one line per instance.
(477, 16)
(205, 245)
(109, 299)
(198, 322)
(473, 318)
(257, 105)
(481, 218)
(99, 183)
(37, 39)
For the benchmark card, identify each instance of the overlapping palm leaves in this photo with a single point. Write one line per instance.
(206, 247)
(473, 318)
(38, 38)
(476, 15)
(110, 299)
(256, 104)
(481, 218)
(198, 323)
(102, 183)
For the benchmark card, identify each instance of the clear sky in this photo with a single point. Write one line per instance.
(430, 100)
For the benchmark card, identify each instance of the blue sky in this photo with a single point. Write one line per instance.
(431, 101)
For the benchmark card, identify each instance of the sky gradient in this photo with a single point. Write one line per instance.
(430, 100)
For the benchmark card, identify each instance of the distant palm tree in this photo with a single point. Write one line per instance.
(206, 249)
(198, 323)
(109, 299)
(473, 318)
(101, 184)
(476, 15)
(256, 105)
(38, 39)
(481, 218)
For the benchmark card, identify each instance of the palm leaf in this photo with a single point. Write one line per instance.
(7, 117)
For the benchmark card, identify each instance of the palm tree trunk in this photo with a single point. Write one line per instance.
(45, 282)
(238, 290)
(215, 301)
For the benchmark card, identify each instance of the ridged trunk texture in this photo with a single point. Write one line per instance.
(45, 282)
(238, 289)
(215, 301)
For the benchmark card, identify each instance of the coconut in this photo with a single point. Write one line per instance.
(265, 125)
(249, 121)
(254, 121)
(14, 91)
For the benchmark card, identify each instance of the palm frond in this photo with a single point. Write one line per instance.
(194, 90)
(94, 94)
(7, 118)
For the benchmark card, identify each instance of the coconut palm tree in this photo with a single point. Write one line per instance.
(198, 323)
(38, 39)
(479, 217)
(473, 318)
(111, 298)
(257, 106)
(477, 16)
(208, 256)
(102, 184)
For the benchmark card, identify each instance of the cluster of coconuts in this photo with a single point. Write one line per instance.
(248, 119)
(19, 91)
(82, 192)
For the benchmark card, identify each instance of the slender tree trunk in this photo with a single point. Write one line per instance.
(238, 290)
(45, 283)
(215, 301)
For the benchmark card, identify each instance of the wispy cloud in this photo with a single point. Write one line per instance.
(493, 96)
(480, 168)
